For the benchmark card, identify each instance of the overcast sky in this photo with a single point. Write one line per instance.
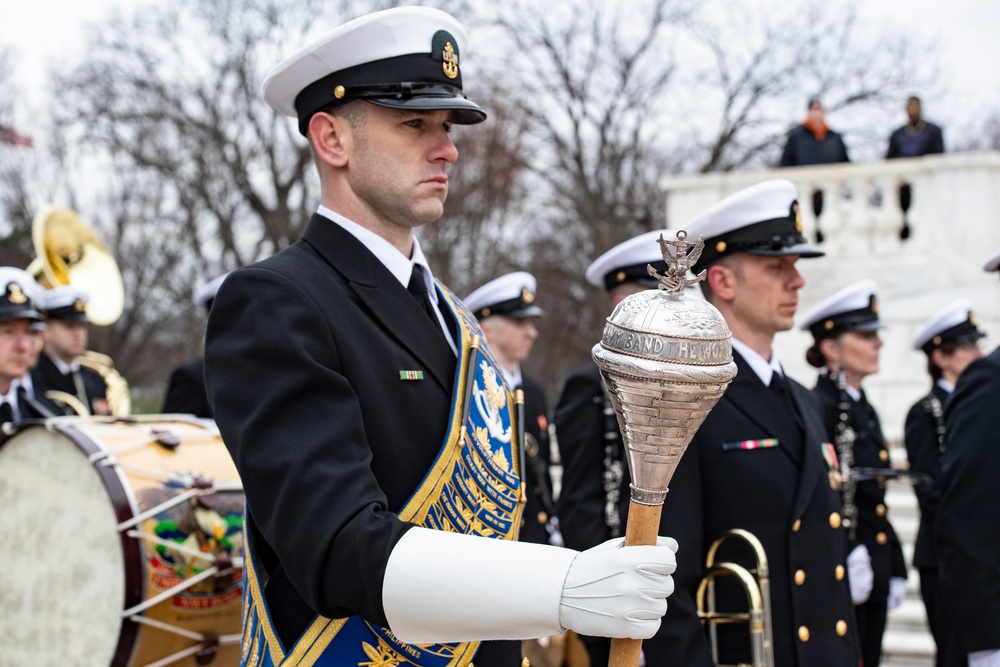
(49, 32)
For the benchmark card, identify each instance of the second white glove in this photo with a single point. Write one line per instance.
(860, 574)
(897, 591)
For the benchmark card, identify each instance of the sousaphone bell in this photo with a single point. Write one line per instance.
(68, 252)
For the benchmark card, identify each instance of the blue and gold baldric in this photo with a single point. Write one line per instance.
(473, 487)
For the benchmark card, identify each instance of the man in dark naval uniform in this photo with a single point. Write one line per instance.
(846, 348)
(375, 443)
(759, 462)
(66, 334)
(19, 317)
(594, 500)
(950, 339)
(186, 389)
(506, 310)
(968, 522)
(918, 137)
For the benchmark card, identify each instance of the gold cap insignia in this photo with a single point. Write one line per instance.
(798, 217)
(527, 296)
(15, 295)
(936, 340)
(720, 246)
(486, 312)
(828, 325)
(444, 47)
(78, 305)
(620, 276)
(874, 304)
(973, 320)
(339, 92)
(450, 64)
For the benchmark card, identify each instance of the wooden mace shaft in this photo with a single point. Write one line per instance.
(641, 530)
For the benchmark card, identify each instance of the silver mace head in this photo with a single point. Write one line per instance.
(666, 359)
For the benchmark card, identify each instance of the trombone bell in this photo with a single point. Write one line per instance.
(758, 594)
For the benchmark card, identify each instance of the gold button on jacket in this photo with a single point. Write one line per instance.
(835, 520)
(803, 633)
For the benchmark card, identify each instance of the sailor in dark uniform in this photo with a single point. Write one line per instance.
(968, 522)
(846, 348)
(506, 310)
(186, 389)
(376, 446)
(65, 339)
(950, 339)
(594, 499)
(19, 320)
(759, 462)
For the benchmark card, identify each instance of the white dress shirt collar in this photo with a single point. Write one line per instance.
(398, 264)
(761, 366)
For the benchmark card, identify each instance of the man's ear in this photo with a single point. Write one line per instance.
(330, 136)
(722, 280)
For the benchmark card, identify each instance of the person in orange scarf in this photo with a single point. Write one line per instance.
(813, 142)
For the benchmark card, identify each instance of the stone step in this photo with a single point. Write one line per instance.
(909, 615)
(904, 648)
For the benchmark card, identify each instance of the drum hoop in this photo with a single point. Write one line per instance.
(124, 509)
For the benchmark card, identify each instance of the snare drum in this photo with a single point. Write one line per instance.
(120, 543)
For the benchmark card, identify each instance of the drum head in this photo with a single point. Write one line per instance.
(62, 582)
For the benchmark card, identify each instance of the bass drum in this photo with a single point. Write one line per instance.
(120, 543)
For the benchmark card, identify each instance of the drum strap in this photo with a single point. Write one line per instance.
(473, 487)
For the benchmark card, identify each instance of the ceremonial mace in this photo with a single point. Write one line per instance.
(666, 359)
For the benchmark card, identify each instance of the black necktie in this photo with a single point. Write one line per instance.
(418, 288)
(777, 383)
(6, 412)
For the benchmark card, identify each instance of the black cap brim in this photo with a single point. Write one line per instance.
(463, 111)
(803, 250)
(529, 311)
(20, 314)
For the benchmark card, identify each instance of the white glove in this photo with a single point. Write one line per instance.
(445, 587)
(897, 591)
(860, 574)
(990, 658)
(616, 591)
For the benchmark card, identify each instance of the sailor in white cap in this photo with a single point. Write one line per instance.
(507, 312)
(845, 348)
(759, 461)
(65, 337)
(968, 522)
(19, 313)
(375, 443)
(594, 500)
(186, 388)
(950, 339)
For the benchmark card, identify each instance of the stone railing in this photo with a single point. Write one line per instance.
(954, 222)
